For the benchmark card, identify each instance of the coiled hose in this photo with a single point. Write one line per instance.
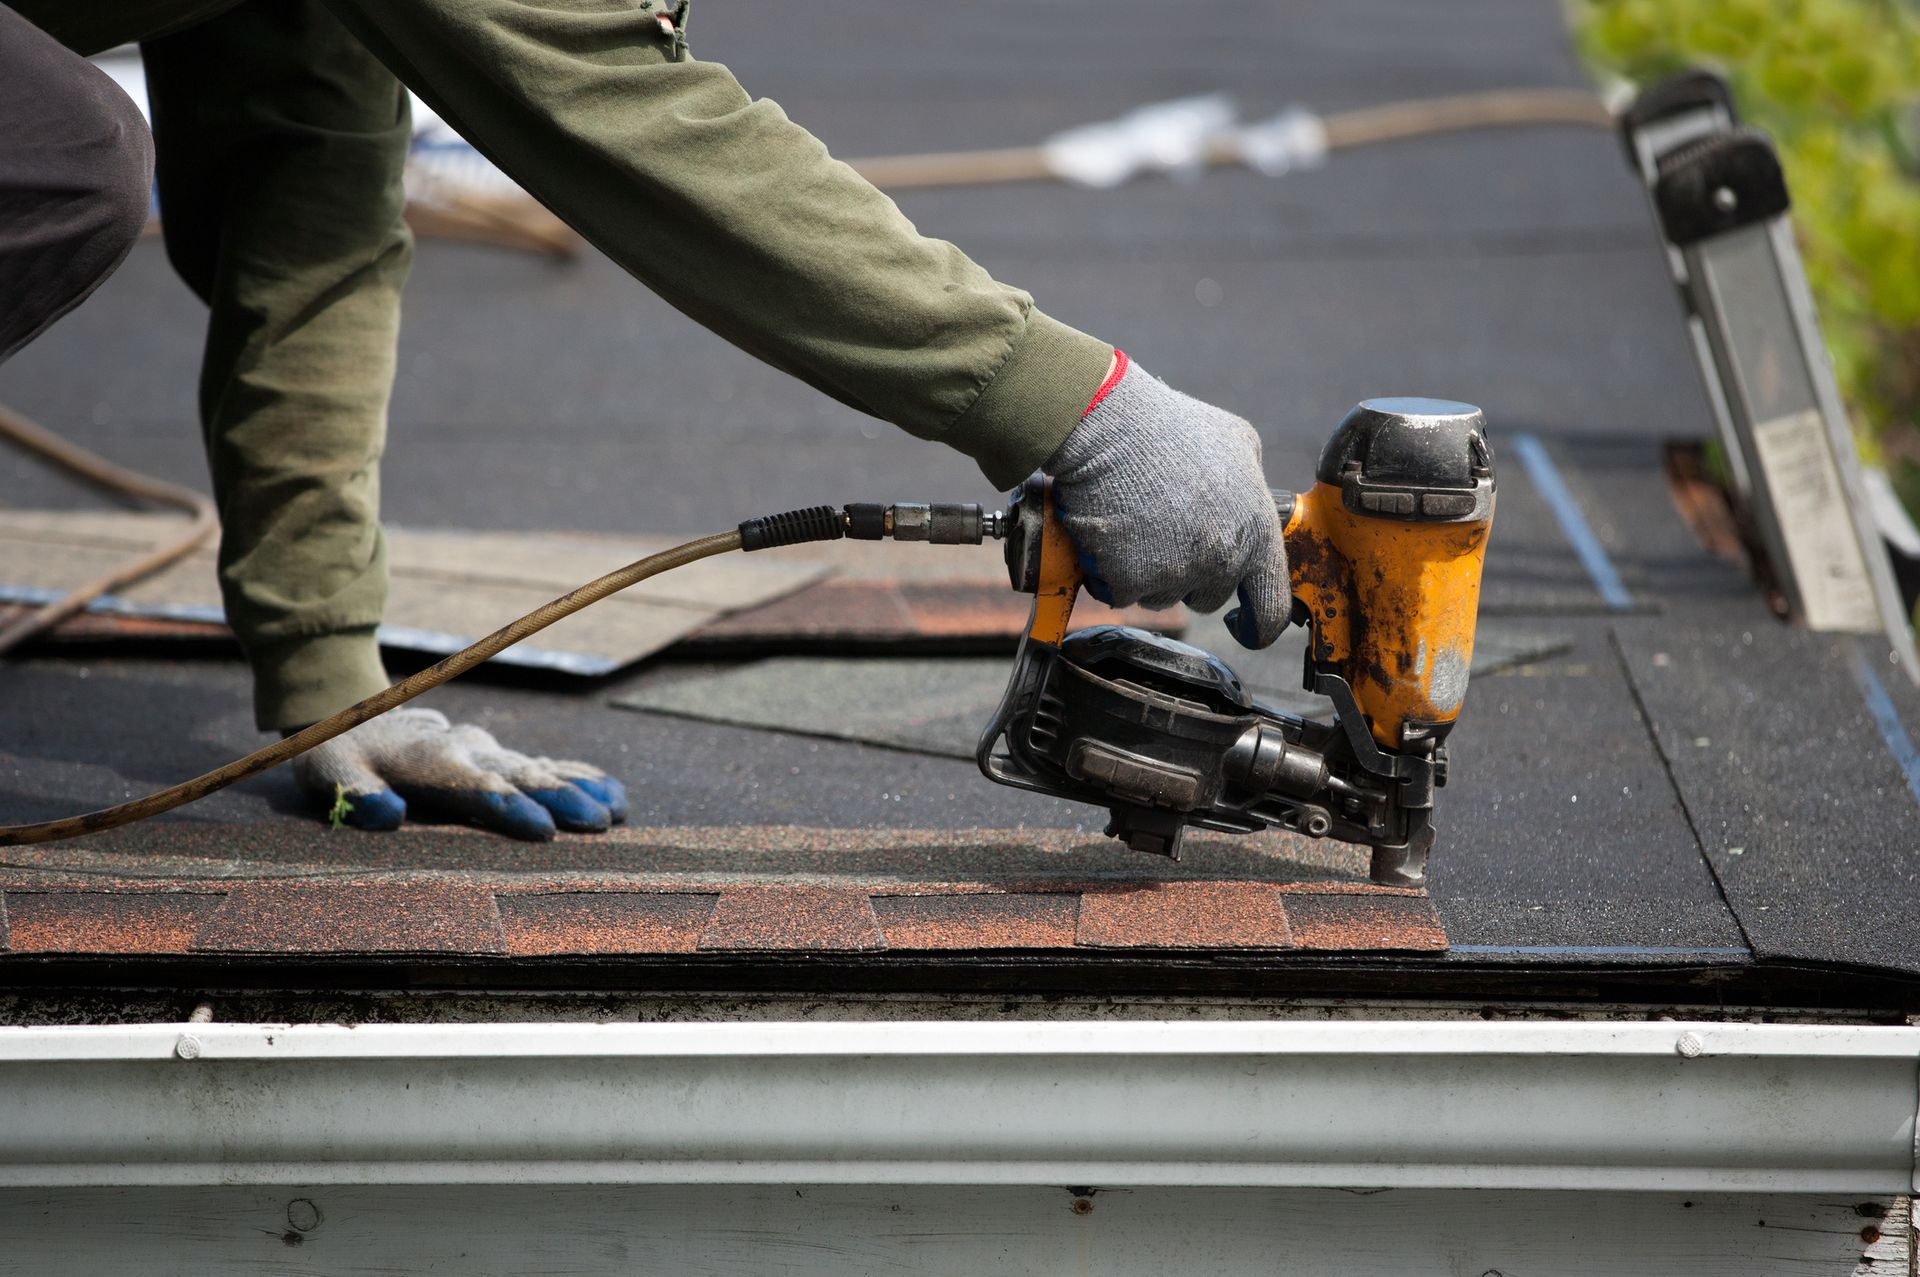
(115, 478)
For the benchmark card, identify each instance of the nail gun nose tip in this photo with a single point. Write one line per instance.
(1398, 867)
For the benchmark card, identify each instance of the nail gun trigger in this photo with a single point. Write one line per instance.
(1353, 725)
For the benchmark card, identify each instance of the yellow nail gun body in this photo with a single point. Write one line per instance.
(1384, 553)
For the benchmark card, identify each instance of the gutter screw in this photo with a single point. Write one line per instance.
(188, 1047)
(1690, 1046)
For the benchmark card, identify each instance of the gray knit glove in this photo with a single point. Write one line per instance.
(370, 774)
(1166, 502)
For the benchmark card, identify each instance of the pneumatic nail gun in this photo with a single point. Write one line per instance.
(1384, 552)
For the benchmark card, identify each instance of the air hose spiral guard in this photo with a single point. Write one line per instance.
(814, 523)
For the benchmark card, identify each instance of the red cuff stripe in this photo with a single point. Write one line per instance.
(1113, 379)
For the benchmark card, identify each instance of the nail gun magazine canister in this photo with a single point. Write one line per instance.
(1385, 551)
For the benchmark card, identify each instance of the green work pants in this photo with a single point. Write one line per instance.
(279, 142)
(288, 143)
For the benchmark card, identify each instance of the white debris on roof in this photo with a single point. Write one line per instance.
(1163, 137)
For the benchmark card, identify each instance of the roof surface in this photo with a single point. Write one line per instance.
(1686, 786)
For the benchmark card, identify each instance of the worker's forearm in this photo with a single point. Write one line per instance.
(740, 218)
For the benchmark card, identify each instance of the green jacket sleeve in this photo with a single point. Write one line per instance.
(740, 218)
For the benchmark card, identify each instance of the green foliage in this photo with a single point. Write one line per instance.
(337, 816)
(1837, 85)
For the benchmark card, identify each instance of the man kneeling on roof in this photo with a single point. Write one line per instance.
(280, 129)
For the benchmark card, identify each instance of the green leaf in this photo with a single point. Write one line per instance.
(337, 817)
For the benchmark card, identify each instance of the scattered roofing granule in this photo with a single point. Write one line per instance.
(792, 919)
(1186, 915)
(604, 922)
(1365, 922)
(106, 921)
(974, 921)
(373, 917)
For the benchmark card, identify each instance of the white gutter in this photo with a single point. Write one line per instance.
(1653, 1106)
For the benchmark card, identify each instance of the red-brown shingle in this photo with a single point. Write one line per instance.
(106, 921)
(605, 922)
(1186, 915)
(1017, 920)
(372, 917)
(793, 919)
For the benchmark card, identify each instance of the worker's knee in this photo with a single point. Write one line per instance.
(108, 176)
(75, 180)
(93, 184)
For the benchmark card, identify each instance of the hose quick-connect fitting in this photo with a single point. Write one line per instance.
(942, 524)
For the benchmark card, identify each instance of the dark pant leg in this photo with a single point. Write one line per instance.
(282, 142)
(76, 167)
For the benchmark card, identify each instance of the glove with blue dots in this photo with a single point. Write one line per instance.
(415, 757)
